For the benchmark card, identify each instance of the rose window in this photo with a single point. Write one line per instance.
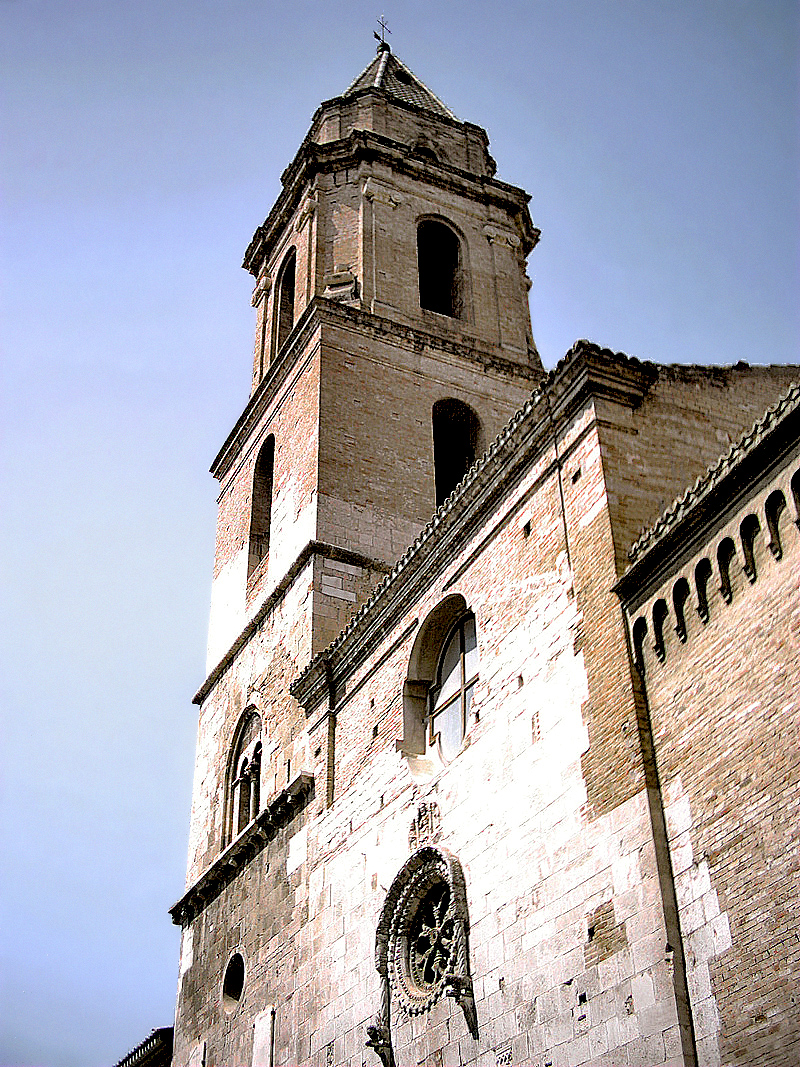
(431, 939)
(423, 938)
(422, 943)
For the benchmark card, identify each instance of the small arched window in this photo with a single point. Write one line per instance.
(261, 510)
(286, 288)
(243, 784)
(439, 261)
(456, 430)
(726, 554)
(450, 698)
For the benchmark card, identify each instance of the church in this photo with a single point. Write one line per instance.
(497, 751)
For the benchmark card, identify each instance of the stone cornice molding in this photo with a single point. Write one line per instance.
(688, 520)
(311, 548)
(365, 146)
(587, 372)
(277, 373)
(277, 813)
(323, 311)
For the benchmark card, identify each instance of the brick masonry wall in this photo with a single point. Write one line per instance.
(686, 421)
(292, 417)
(376, 480)
(724, 713)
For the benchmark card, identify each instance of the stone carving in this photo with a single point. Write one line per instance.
(341, 285)
(379, 1032)
(381, 194)
(422, 942)
(262, 289)
(501, 237)
(306, 212)
(426, 827)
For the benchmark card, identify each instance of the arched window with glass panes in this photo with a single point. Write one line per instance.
(450, 696)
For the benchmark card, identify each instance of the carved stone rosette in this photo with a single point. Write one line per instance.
(422, 943)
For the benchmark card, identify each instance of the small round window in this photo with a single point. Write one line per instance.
(233, 982)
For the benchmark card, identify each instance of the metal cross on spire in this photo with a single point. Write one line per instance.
(384, 29)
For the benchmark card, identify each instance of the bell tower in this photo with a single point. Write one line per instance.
(393, 341)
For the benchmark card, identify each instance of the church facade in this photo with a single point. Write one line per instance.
(484, 774)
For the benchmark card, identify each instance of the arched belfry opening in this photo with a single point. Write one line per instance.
(261, 510)
(456, 432)
(441, 271)
(286, 293)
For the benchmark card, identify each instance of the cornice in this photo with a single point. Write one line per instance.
(266, 390)
(322, 311)
(277, 813)
(313, 158)
(716, 491)
(586, 372)
(154, 1048)
(311, 548)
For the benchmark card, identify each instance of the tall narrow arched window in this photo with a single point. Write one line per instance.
(286, 289)
(795, 484)
(441, 273)
(451, 693)
(456, 431)
(639, 638)
(243, 779)
(261, 511)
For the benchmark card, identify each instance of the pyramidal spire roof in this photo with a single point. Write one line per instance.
(388, 73)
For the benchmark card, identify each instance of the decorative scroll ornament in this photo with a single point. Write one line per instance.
(306, 211)
(381, 194)
(261, 291)
(501, 237)
(421, 943)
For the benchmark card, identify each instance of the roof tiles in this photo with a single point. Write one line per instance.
(387, 72)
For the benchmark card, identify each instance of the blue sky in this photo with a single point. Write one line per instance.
(142, 143)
